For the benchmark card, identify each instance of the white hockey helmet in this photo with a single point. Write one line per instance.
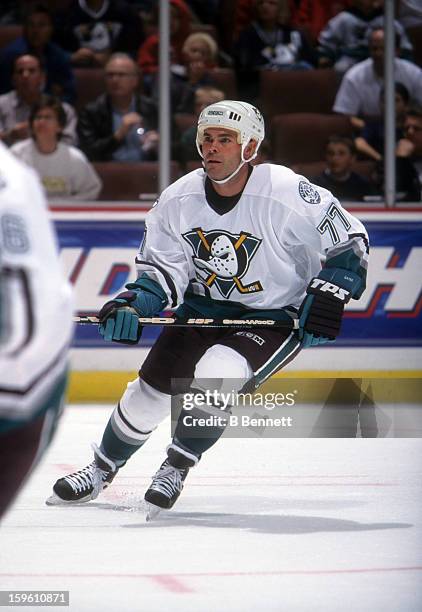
(241, 117)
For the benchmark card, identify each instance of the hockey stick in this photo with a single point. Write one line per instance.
(230, 323)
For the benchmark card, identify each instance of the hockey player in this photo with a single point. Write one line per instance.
(35, 325)
(230, 240)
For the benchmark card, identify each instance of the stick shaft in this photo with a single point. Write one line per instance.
(197, 322)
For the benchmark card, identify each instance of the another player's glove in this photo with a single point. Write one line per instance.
(119, 317)
(321, 311)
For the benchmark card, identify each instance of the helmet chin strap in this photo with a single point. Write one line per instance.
(242, 163)
(225, 180)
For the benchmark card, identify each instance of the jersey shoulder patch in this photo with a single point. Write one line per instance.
(308, 192)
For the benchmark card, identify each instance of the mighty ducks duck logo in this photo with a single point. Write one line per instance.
(222, 259)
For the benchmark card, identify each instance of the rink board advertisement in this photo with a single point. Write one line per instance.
(98, 252)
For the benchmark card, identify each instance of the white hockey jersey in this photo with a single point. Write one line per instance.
(35, 299)
(262, 253)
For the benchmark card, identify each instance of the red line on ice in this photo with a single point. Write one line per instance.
(171, 582)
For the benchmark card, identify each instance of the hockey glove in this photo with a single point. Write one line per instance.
(321, 312)
(119, 317)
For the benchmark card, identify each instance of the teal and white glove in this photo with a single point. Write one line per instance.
(119, 316)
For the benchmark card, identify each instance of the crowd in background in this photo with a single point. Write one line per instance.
(219, 49)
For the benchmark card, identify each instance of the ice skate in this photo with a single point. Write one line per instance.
(167, 483)
(85, 484)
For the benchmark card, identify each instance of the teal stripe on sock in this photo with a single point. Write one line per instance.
(117, 449)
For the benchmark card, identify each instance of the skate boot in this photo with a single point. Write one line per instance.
(167, 483)
(86, 484)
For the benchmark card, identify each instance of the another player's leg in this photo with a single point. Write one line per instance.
(218, 367)
(138, 413)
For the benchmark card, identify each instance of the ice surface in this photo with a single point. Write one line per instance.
(276, 524)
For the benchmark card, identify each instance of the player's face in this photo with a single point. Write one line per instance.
(221, 152)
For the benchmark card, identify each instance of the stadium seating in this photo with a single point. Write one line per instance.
(362, 167)
(193, 165)
(304, 91)
(302, 137)
(128, 180)
(225, 79)
(89, 84)
(207, 28)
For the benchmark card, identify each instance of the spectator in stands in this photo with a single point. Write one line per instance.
(410, 147)
(370, 141)
(15, 106)
(371, 144)
(313, 15)
(64, 170)
(338, 176)
(199, 57)
(120, 124)
(36, 40)
(344, 41)
(359, 93)
(200, 48)
(180, 23)
(204, 96)
(91, 30)
(269, 44)
(308, 15)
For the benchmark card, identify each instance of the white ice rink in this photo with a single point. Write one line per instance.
(295, 524)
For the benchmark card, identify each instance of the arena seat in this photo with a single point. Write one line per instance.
(9, 33)
(225, 79)
(193, 164)
(207, 28)
(89, 84)
(302, 91)
(226, 15)
(127, 180)
(363, 167)
(302, 137)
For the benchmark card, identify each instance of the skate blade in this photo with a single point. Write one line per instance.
(152, 511)
(55, 500)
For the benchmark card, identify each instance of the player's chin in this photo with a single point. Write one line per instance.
(214, 169)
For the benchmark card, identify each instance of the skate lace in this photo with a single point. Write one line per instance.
(90, 476)
(168, 480)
